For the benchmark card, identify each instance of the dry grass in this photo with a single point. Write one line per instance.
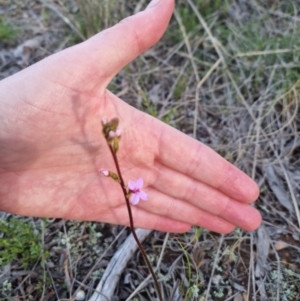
(227, 73)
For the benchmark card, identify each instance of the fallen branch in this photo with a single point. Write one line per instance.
(106, 287)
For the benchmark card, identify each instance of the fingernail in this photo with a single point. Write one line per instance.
(153, 3)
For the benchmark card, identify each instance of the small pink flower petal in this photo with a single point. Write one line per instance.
(131, 185)
(104, 172)
(143, 195)
(139, 183)
(134, 199)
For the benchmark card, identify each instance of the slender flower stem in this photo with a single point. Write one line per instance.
(132, 224)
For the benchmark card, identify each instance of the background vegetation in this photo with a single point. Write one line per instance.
(227, 73)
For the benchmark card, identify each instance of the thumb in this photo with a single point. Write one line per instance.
(117, 46)
(91, 65)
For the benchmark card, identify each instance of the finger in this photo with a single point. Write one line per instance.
(90, 65)
(203, 196)
(144, 219)
(234, 214)
(120, 44)
(175, 209)
(200, 162)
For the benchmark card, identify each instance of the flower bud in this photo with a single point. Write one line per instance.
(118, 132)
(111, 134)
(104, 120)
(105, 172)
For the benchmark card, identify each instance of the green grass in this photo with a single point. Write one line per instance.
(7, 31)
(21, 242)
(96, 15)
(189, 19)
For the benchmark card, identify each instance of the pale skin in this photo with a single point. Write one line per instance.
(51, 146)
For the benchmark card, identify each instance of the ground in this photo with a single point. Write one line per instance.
(225, 72)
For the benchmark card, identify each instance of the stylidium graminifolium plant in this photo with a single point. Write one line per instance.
(133, 192)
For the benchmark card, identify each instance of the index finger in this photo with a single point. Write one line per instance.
(193, 158)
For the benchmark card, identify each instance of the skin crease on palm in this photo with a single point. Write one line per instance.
(52, 147)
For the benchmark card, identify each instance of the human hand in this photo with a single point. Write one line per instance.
(52, 148)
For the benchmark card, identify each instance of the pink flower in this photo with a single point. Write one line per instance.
(136, 192)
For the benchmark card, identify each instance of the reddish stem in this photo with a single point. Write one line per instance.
(132, 224)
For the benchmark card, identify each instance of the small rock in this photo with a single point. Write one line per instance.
(80, 295)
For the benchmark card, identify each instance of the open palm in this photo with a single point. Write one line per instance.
(52, 148)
